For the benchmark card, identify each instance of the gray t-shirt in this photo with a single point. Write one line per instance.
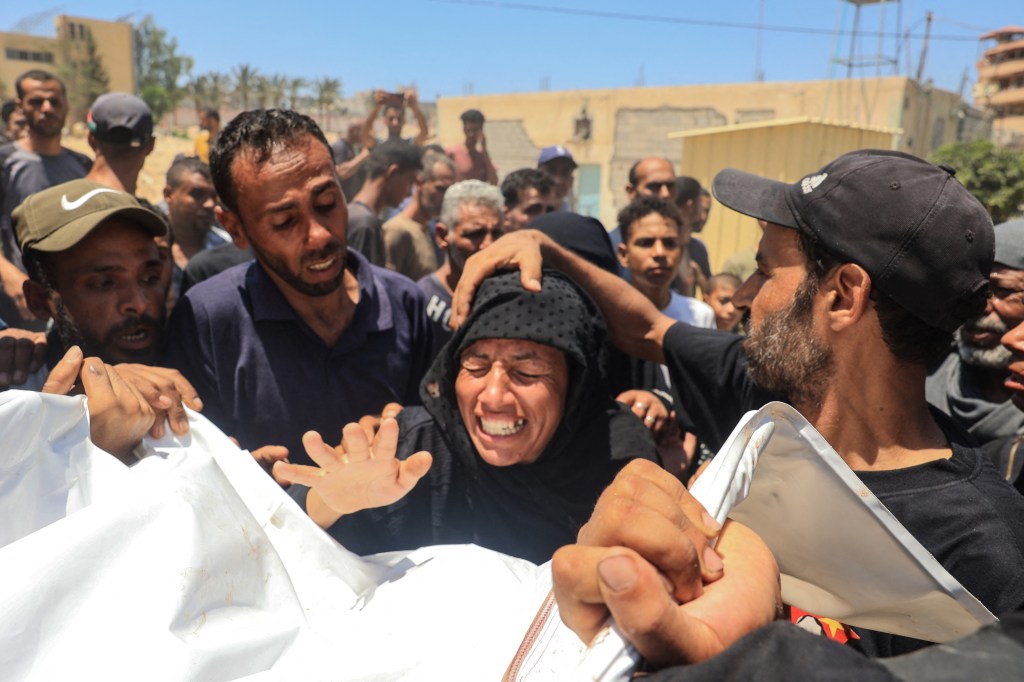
(439, 310)
(365, 233)
(24, 173)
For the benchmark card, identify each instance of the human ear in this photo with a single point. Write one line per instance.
(233, 224)
(37, 300)
(622, 252)
(441, 235)
(848, 293)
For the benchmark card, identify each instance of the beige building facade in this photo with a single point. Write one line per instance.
(608, 130)
(21, 52)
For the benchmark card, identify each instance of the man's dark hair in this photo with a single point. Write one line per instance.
(183, 165)
(472, 116)
(524, 178)
(687, 189)
(210, 112)
(642, 207)
(433, 147)
(36, 75)
(8, 109)
(400, 152)
(908, 338)
(256, 133)
(38, 267)
(704, 192)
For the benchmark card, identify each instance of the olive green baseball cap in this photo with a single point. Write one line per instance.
(59, 217)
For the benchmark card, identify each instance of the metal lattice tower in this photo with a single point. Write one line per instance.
(856, 57)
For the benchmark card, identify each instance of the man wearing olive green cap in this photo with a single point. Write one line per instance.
(94, 268)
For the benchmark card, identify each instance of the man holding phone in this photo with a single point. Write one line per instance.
(471, 159)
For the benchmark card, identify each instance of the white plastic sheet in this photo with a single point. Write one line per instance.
(194, 565)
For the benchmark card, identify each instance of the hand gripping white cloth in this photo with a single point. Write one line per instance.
(194, 565)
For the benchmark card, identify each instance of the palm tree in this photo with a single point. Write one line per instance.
(199, 88)
(219, 87)
(327, 91)
(295, 86)
(245, 82)
(276, 86)
(262, 89)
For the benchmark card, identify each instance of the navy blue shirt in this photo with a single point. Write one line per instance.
(266, 378)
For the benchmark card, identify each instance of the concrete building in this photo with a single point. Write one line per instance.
(608, 130)
(1000, 88)
(21, 52)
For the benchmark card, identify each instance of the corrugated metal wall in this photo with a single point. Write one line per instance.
(782, 150)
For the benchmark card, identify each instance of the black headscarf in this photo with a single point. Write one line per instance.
(531, 509)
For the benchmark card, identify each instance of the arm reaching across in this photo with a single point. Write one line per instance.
(645, 558)
(355, 475)
(634, 324)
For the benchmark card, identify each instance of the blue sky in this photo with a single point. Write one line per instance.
(450, 47)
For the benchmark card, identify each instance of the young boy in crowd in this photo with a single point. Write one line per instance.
(653, 240)
(719, 295)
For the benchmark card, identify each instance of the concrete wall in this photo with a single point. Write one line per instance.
(630, 123)
(35, 46)
(114, 44)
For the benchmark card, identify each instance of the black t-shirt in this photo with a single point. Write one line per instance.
(960, 509)
(210, 262)
(364, 232)
(709, 374)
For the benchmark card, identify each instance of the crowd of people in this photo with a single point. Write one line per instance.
(501, 370)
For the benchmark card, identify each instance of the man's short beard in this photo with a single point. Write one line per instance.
(784, 355)
(279, 268)
(71, 334)
(994, 358)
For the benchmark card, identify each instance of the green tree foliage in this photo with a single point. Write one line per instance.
(83, 74)
(246, 79)
(992, 174)
(162, 71)
(295, 88)
(328, 90)
(210, 89)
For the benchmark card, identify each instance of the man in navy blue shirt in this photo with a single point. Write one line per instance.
(311, 335)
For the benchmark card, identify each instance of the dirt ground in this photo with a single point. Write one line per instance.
(151, 179)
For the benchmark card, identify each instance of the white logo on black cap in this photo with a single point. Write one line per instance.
(808, 184)
(77, 203)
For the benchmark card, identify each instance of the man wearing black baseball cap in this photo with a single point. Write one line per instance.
(121, 137)
(865, 269)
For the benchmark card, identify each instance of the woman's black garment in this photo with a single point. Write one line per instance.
(526, 510)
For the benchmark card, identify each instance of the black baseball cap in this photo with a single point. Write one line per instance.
(121, 118)
(924, 240)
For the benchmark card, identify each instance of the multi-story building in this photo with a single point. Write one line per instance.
(1000, 88)
(21, 52)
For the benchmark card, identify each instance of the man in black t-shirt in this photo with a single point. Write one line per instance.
(864, 271)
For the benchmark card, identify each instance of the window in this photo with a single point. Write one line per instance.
(27, 56)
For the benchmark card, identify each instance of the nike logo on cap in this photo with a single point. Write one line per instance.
(77, 203)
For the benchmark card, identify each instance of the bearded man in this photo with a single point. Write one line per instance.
(969, 384)
(865, 270)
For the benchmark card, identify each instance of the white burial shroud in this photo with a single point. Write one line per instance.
(194, 565)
